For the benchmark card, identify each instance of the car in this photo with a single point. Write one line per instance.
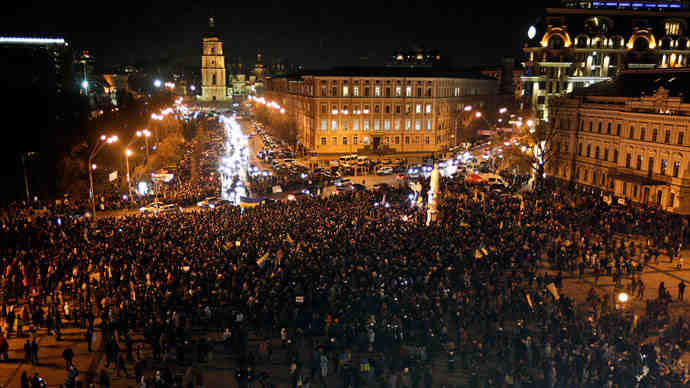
(384, 170)
(211, 202)
(381, 186)
(160, 208)
(342, 182)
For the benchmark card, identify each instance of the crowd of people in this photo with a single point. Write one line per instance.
(355, 287)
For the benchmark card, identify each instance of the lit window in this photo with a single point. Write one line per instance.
(324, 125)
(334, 140)
(366, 140)
(346, 91)
(376, 125)
(418, 108)
(408, 91)
(416, 140)
(377, 91)
(355, 140)
(676, 169)
(417, 125)
(386, 125)
(427, 140)
(398, 91)
(428, 125)
(355, 125)
(387, 140)
(334, 125)
(672, 28)
(456, 92)
(397, 140)
(408, 124)
(428, 109)
(397, 125)
(344, 140)
(355, 91)
(407, 140)
(366, 125)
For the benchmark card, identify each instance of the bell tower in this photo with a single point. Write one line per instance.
(213, 79)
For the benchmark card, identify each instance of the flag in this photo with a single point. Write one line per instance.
(112, 176)
(529, 302)
(552, 288)
(262, 260)
(250, 202)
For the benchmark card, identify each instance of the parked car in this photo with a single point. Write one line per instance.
(384, 170)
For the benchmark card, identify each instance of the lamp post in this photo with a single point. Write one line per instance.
(104, 140)
(146, 134)
(128, 153)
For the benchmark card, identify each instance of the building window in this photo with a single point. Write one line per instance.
(671, 200)
(680, 138)
(608, 128)
(599, 127)
(428, 125)
(334, 91)
(386, 125)
(355, 91)
(408, 108)
(397, 109)
(397, 125)
(618, 130)
(397, 140)
(416, 140)
(366, 125)
(650, 166)
(377, 108)
(456, 92)
(323, 140)
(632, 132)
(579, 149)
(408, 91)
(366, 140)
(418, 108)
(324, 108)
(398, 91)
(407, 140)
(655, 133)
(428, 109)
(596, 153)
(615, 156)
(590, 126)
(589, 150)
(672, 28)
(639, 162)
(388, 92)
(387, 140)
(323, 91)
(606, 154)
(667, 136)
(419, 92)
(659, 195)
(366, 109)
(324, 125)
(334, 125)
(366, 91)
(408, 124)
(643, 133)
(334, 140)
(662, 168)
(344, 140)
(355, 125)
(346, 91)
(387, 109)
(586, 174)
(676, 169)
(625, 189)
(635, 191)
(417, 125)
(427, 140)
(345, 124)
(377, 91)
(355, 140)
(628, 158)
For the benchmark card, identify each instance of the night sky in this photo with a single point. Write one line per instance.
(472, 33)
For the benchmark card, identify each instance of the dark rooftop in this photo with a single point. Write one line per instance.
(389, 72)
(637, 83)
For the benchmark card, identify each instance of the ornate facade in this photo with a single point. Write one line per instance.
(584, 42)
(391, 110)
(213, 78)
(628, 138)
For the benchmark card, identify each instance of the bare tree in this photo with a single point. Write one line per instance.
(534, 149)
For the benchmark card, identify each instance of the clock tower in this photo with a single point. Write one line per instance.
(213, 84)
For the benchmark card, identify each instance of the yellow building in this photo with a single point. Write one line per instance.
(381, 110)
(628, 138)
(213, 78)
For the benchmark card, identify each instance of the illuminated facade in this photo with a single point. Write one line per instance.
(628, 138)
(584, 42)
(386, 110)
(213, 79)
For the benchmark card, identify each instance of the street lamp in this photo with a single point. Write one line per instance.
(104, 140)
(157, 83)
(146, 134)
(128, 153)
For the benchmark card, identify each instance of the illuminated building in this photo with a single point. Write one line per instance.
(213, 80)
(629, 138)
(381, 110)
(584, 42)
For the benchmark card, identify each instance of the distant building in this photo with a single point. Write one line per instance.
(41, 62)
(508, 78)
(583, 42)
(416, 58)
(213, 77)
(380, 110)
(628, 138)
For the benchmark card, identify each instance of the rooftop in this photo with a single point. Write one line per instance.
(638, 83)
(422, 72)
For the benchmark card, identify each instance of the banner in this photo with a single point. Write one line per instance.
(112, 176)
(552, 288)
(250, 202)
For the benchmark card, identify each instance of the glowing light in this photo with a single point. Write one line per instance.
(25, 40)
(478, 114)
(502, 110)
(530, 123)
(468, 108)
(192, 88)
(157, 83)
(532, 32)
(85, 84)
(128, 152)
(623, 297)
(143, 188)
(93, 166)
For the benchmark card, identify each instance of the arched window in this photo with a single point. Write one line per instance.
(556, 42)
